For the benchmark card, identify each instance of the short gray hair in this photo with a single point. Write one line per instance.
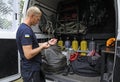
(33, 10)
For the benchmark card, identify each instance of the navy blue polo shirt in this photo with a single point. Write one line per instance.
(26, 36)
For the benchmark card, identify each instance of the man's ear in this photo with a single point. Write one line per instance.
(32, 15)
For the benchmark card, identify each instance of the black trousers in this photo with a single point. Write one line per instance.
(36, 76)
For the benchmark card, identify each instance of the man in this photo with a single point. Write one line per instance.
(30, 49)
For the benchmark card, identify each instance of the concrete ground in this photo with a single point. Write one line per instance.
(19, 80)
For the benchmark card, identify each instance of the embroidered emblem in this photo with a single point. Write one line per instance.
(27, 35)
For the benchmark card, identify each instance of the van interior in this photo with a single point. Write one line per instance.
(82, 19)
(77, 18)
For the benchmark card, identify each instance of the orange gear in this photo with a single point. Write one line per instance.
(110, 42)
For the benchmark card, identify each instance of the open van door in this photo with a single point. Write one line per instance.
(9, 58)
(116, 69)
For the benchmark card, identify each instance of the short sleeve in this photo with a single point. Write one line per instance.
(26, 37)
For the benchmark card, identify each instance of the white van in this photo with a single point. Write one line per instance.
(98, 19)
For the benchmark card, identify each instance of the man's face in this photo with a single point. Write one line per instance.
(35, 19)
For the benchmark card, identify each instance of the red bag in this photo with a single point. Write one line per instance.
(74, 56)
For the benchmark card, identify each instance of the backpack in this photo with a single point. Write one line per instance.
(87, 65)
(53, 60)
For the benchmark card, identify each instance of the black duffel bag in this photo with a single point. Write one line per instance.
(87, 65)
(53, 60)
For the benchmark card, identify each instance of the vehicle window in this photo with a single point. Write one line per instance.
(7, 15)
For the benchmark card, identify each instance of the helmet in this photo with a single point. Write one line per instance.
(110, 42)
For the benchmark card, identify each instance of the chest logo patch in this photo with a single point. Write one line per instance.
(27, 35)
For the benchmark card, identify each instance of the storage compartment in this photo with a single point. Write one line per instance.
(86, 17)
(77, 19)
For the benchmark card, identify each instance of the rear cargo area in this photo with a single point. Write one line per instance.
(76, 20)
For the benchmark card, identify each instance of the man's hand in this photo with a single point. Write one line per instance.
(48, 44)
(52, 41)
(44, 45)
